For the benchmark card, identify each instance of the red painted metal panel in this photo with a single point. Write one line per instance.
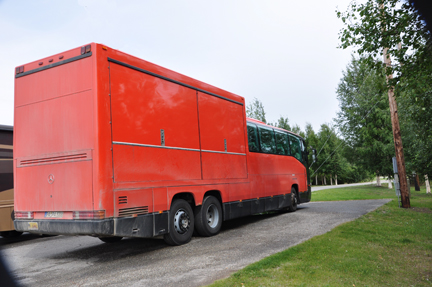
(129, 199)
(135, 163)
(226, 166)
(142, 105)
(58, 125)
(219, 120)
(221, 130)
(239, 191)
(160, 199)
(52, 83)
(70, 190)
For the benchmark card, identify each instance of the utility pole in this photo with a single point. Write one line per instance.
(397, 138)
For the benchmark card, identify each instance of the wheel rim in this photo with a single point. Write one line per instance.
(294, 199)
(212, 216)
(181, 221)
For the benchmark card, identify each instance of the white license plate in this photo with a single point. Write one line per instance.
(54, 214)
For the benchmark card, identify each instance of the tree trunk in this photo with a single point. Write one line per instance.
(336, 179)
(409, 185)
(390, 183)
(427, 184)
(378, 180)
(316, 179)
(325, 182)
(331, 179)
(397, 138)
(417, 182)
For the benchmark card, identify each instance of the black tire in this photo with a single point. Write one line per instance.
(111, 239)
(293, 205)
(10, 234)
(208, 217)
(181, 223)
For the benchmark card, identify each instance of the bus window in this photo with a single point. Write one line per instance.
(252, 138)
(282, 146)
(267, 140)
(295, 147)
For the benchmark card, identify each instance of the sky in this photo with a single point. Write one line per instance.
(284, 53)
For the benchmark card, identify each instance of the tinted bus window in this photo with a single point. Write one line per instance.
(282, 146)
(253, 138)
(295, 147)
(267, 140)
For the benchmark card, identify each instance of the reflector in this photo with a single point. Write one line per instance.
(40, 63)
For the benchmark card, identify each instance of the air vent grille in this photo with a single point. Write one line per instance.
(55, 158)
(134, 211)
(122, 200)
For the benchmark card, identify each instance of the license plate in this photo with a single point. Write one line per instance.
(33, 226)
(54, 214)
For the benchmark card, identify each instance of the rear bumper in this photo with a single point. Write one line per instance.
(148, 225)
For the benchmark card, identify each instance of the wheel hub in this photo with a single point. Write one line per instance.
(212, 216)
(181, 221)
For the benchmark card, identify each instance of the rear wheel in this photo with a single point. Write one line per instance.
(111, 239)
(293, 206)
(181, 224)
(208, 217)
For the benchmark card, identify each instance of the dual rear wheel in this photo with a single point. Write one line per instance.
(206, 220)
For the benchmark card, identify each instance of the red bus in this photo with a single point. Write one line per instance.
(109, 145)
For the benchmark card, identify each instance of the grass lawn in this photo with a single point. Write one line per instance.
(390, 246)
(355, 193)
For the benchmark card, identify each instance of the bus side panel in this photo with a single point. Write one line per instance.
(222, 131)
(136, 163)
(155, 128)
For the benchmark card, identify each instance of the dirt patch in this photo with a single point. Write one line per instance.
(421, 209)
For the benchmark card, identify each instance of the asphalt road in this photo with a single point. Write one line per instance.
(86, 261)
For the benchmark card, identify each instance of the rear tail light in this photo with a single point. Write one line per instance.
(24, 214)
(98, 214)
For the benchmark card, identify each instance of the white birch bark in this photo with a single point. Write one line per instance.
(390, 183)
(428, 190)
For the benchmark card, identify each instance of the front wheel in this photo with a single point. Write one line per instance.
(181, 224)
(208, 217)
(293, 206)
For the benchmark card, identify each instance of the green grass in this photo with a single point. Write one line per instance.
(354, 193)
(390, 246)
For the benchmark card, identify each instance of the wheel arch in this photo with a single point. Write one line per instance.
(187, 196)
(218, 195)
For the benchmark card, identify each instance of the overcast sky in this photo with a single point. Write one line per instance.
(280, 52)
